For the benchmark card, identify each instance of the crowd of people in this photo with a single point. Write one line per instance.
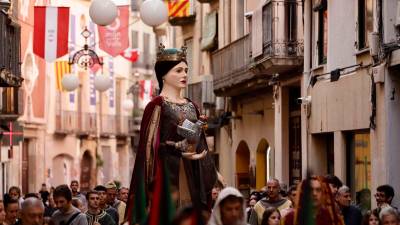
(65, 205)
(314, 201)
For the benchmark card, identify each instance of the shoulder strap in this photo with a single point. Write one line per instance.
(72, 218)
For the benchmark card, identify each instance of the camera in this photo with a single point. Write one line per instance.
(304, 100)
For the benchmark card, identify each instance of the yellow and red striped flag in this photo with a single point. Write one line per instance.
(61, 67)
(180, 8)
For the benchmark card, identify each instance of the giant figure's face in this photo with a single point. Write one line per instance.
(177, 76)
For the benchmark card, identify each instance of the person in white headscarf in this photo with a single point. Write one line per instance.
(229, 209)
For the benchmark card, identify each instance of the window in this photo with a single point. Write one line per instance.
(135, 39)
(365, 22)
(267, 24)
(359, 167)
(322, 44)
(291, 22)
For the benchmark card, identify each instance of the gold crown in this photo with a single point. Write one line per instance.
(171, 54)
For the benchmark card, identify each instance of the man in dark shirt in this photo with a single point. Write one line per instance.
(103, 203)
(94, 214)
(351, 214)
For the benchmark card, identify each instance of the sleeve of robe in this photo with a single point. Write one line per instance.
(140, 171)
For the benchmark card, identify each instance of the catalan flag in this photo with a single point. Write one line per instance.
(61, 67)
(180, 8)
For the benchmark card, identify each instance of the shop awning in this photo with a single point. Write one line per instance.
(209, 33)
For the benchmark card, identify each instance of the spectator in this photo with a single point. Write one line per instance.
(32, 212)
(66, 213)
(184, 216)
(271, 216)
(44, 194)
(250, 207)
(314, 195)
(50, 208)
(389, 216)
(214, 194)
(273, 199)
(334, 183)
(123, 194)
(371, 218)
(112, 200)
(363, 199)
(15, 193)
(12, 209)
(351, 214)
(229, 208)
(292, 192)
(76, 194)
(95, 215)
(103, 203)
(2, 213)
(77, 203)
(384, 196)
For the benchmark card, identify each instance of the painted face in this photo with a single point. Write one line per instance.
(177, 76)
(274, 218)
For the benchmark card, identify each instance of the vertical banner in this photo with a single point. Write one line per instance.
(50, 36)
(111, 91)
(92, 45)
(71, 51)
(146, 92)
(114, 38)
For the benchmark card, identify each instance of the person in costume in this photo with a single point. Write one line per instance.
(166, 141)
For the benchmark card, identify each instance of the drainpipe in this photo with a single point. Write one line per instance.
(307, 17)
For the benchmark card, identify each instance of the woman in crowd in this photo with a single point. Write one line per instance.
(271, 216)
(371, 218)
(2, 213)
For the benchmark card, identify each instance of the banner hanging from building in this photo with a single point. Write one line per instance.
(114, 38)
(180, 8)
(50, 35)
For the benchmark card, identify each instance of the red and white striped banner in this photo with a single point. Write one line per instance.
(50, 36)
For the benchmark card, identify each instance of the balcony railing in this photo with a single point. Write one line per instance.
(230, 65)
(282, 38)
(124, 125)
(145, 61)
(108, 125)
(66, 122)
(87, 123)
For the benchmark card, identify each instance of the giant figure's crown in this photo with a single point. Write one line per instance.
(171, 54)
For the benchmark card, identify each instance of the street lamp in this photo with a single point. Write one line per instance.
(70, 82)
(154, 12)
(102, 82)
(103, 12)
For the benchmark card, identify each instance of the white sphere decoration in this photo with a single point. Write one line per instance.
(154, 12)
(102, 82)
(127, 104)
(70, 82)
(103, 12)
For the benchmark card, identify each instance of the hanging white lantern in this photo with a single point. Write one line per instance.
(154, 12)
(103, 12)
(102, 82)
(70, 82)
(127, 104)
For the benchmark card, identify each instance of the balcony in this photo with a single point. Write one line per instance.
(230, 65)
(206, 1)
(145, 61)
(124, 125)
(108, 125)
(66, 122)
(282, 38)
(245, 64)
(87, 124)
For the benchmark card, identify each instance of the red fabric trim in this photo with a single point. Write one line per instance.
(39, 30)
(62, 31)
